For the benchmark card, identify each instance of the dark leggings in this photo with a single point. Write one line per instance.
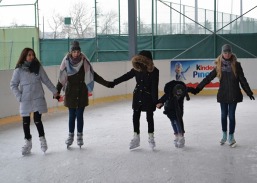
(136, 121)
(38, 123)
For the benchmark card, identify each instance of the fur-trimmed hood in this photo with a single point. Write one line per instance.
(139, 62)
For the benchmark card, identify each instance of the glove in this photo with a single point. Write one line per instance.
(252, 97)
(193, 90)
(111, 84)
(57, 96)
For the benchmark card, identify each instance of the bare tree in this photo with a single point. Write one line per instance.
(56, 24)
(81, 21)
(107, 23)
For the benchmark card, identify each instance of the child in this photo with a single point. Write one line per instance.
(26, 85)
(173, 101)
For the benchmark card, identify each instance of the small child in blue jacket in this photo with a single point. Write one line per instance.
(173, 102)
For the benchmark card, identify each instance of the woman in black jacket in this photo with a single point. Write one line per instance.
(145, 95)
(230, 74)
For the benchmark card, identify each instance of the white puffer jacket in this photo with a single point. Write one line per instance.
(28, 90)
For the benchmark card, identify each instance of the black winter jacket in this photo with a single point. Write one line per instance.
(145, 95)
(76, 92)
(229, 90)
(168, 98)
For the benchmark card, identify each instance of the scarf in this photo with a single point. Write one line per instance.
(32, 66)
(69, 67)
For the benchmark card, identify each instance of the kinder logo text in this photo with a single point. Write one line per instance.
(199, 68)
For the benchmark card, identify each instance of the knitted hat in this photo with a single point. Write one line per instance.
(226, 48)
(75, 46)
(147, 54)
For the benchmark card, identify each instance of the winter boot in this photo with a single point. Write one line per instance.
(181, 141)
(43, 143)
(151, 141)
(135, 142)
(80, 139)
(231, 140)
(70, 139)
(27, 147)
(224, 138)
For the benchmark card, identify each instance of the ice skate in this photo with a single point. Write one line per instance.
(151, 141)
(181, 141)
(43, 143)
(176, 141)
(135, 142)
(27, 147)
(70, 140)
(231, 140)
(224, 138)
(80, 139)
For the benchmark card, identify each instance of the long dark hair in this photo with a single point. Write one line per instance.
(23, 56)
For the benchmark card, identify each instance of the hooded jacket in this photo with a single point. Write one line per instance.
(145, 95)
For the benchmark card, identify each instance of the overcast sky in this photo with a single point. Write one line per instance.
(25, 14)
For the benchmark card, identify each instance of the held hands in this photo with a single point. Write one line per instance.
(111, 84)
(251, 97)
(193, 90)
(56, 96)
(159, 105)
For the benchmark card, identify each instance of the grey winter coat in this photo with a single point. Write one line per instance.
(28, 90)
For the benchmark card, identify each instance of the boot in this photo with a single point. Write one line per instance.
(70, 139)
(231, 140)
(26, 149)
(151, 141)
(224, 138)
(181, 141)
(43, 143)
(80, 139)
(135, 142)
(176, 141)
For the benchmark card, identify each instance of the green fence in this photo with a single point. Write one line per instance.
(115, 48)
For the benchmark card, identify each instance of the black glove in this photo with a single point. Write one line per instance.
(193, 90)
(57, 98)
(111, 84)
(252, 97)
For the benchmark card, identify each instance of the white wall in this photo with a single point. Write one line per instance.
(109, 71)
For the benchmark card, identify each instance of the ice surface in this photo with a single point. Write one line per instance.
(105, 156)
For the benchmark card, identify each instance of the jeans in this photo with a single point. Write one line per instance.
(136, 121)
(38, 123)
(73, 114)
(178, 126)
(228, 110)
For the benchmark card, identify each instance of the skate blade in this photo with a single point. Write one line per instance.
(232, 145)
(134, 147)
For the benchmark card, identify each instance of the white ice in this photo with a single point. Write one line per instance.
(105, 156)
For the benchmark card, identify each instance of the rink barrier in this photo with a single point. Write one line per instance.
(98, 101)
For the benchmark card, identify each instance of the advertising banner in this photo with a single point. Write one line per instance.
(192, 72)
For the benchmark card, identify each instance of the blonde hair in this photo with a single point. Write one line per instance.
(218, 61)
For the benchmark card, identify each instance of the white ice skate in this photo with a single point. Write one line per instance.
(70, 140)
(176, 141)
(224, 138)
(43, 143)
(26, 149)
(151, 141)
(135, 142)
(231, 140)
(80, 139)
(181, 141)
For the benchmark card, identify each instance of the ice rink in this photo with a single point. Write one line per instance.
(106, 158)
